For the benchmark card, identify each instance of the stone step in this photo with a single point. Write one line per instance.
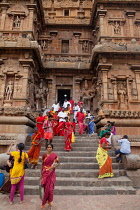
(60, 148)
(74, 172)
(82, 181)
(77, 153)
(78, 159)
(82, 166)
(82, 190)
(76, 144)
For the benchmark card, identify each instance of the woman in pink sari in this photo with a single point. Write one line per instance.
(49, 162)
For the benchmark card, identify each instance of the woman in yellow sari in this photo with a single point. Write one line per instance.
(103, 159)
(18, 171)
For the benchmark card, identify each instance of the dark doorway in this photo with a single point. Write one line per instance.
(62, 94)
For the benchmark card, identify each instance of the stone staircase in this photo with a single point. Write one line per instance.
(78, 171)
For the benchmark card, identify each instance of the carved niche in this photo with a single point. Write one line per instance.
(117, 24)
(17, 13)
(86, 45)
(45, 43)
(11, 72)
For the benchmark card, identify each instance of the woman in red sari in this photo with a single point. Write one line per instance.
(49, 162)
(55, 123)
(68, 129)
(39, 123)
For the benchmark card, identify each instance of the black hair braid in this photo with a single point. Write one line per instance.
(20, 147)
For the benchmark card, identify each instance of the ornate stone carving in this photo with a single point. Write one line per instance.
(122, 94)
(16, 22)
(86, 45)
(44, 43)
(116, 23)
(9, 90)
(87, 94)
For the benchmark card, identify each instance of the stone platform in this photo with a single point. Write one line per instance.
(76, 202)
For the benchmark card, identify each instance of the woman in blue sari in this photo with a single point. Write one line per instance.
(91, 125)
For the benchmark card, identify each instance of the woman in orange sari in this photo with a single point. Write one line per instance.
(39, 123)
(34, 151)
(49, 162)
(103, 159)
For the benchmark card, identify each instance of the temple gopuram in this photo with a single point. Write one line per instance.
(85, 49)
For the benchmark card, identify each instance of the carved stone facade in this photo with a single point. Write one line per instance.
(88, 50)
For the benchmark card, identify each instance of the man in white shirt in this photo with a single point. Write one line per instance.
(56, 106)
(65, 104)
(60, 128)
(125, 148)
(76, 109)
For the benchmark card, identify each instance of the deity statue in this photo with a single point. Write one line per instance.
(87, 94)
(9, 90)
(122, 98)
(17, 22)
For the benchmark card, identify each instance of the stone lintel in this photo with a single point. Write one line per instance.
(103, 67)
(1, 61)
(26, 62)
(77, 34)
(135, 68)
(130, 13)
(101, 13)
(53, 33)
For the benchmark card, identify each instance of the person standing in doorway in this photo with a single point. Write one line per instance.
(56, 106)
(80, 118)
(65, 104)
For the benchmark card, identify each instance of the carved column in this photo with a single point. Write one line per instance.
(101, 14)
(3, 17)
(131, 15)
(50, 94)
(26, 68)
(31, 16)
(136, 69)
(104, 68)
(77, 89)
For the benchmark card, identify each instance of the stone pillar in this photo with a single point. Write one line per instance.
(136, 69)
(101, 14)
(31, 16)
(104, 68)
(77, 89)
(50, 95)
(131, 15)
(25, 80)
(3, 17)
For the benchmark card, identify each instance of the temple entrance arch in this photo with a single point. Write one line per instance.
(62, 94)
